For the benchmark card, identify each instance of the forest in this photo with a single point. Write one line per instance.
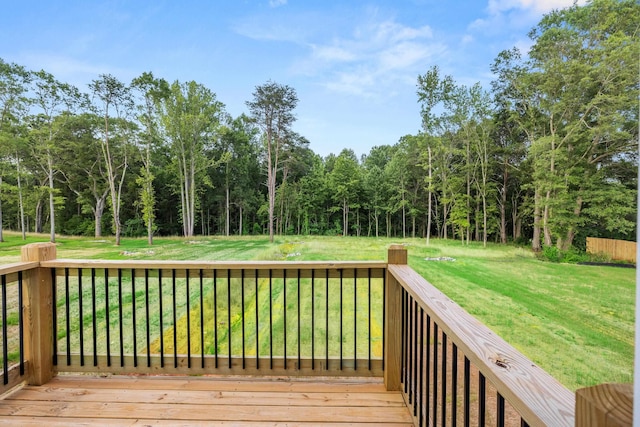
(545, 156)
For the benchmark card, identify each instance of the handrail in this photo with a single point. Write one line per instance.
(538, 397)
(16, 267)
(144, 305)
(233, 265)
(410, 348)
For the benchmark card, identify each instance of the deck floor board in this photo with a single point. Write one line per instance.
(189, 401)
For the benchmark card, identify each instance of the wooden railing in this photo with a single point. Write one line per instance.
(269, 318)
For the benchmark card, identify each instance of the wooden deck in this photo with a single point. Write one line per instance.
(189, 401)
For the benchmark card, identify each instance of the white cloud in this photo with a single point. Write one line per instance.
(373, 57)
(332, 53)
(277, 3)
(537, 6)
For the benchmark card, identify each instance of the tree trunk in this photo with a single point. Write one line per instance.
(98, 211)
(271, 187)
(503, 203)
(535, 241)
(240, 229)
(345, 217)
(52, 213)
(484, 221)
(20, 202)
(38, 217)
(404, 217)
(545, 220)
(429, 213)
(227, 208)
(571, 233)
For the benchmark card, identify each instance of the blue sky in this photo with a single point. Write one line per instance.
(354, 64)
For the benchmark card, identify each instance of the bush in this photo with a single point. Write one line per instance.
(79, 226)
(571, 256)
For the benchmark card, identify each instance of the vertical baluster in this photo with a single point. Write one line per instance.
(175, 318)
(454, 384)
(313, 319)
(427, 406)
(160, 317)
(215, 317)
(20, 323)
(120, 327)
(420, 401)
(435, 373)
(284, 314)
(229, 313)
(355, 319)
(326, 319)
(410, 352)
(201, 275)
(67, 304)
(270, 319)
(482, 402)
(444, 379)
(467, 391)
(93, 317)
(54, 294)
(147, 316)
(133, 317)
(5, 342)
(80, 317)
(415, 358)
(369, 315)
(188, 296)
(299, 348)
(257, 324)
(384, 309)
(341, 295)
(500, 416)
(106, 311)
(242, 305)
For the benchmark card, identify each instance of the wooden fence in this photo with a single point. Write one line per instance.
(620, 250)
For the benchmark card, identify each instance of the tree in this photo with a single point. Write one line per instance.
(151, 91)
(345, 182)
(13, 104)
(509, 135)
(241, 168)
(116, 103)
(191, 116)
(583, 70)
(56, 102)
(272, 109)
(82, 165)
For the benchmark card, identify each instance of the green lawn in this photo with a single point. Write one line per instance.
(576, 322)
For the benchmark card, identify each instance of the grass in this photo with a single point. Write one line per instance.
(576, 322)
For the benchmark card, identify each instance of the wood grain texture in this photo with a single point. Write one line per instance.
(14, 378)
(10, 269)
(538, 397)
(605, 405)
(250, 366)
(235, 267)
(70, 400)
(38, 312)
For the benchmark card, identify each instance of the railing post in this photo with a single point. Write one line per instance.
(39, 314)
(397, 254)
(605, 405)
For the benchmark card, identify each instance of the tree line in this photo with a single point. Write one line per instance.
(546, 156)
